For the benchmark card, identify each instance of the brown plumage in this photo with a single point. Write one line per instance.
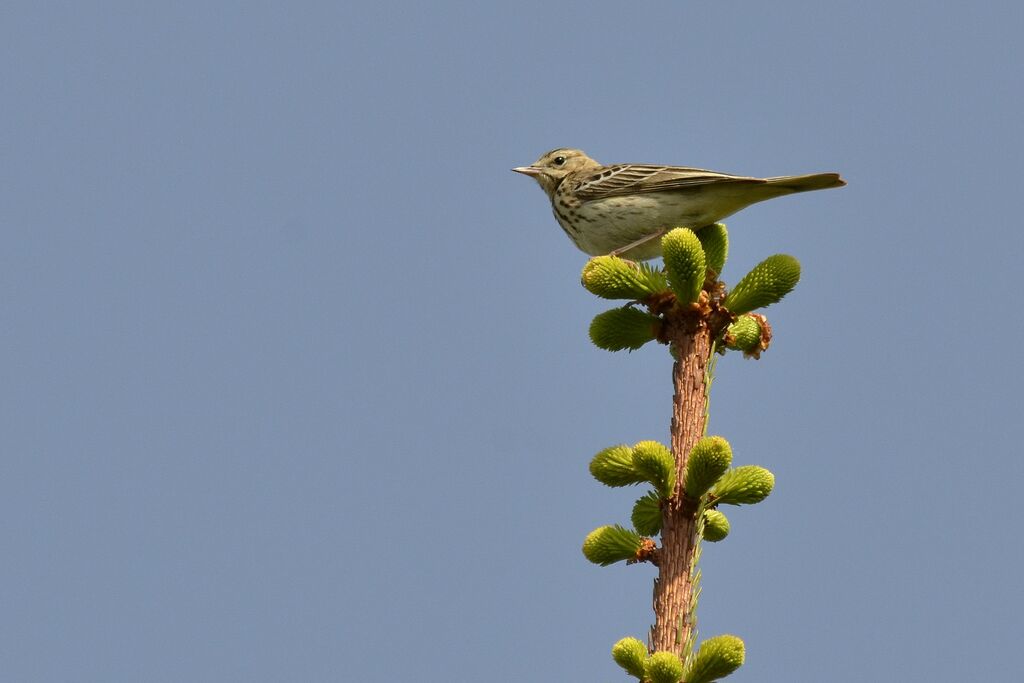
(624, 208)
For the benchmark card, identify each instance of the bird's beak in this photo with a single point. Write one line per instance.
(531, 171)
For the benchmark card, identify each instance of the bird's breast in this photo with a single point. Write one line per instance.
(608, 224)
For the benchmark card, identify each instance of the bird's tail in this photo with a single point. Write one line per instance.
(806, 183)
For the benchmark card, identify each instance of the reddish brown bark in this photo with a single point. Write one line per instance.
(673, 589)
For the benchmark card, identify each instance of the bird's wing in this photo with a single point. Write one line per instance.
(620, 179)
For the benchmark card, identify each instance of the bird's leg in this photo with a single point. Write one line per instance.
(637, 243)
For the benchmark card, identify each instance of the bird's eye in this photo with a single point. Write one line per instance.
(559, 161)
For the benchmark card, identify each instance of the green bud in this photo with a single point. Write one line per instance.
(631, 655)
(646, 516)
(610, 544)
(744, 334)
(717, 658)
(744, 485)
(614, 467)
(656, 464)
(716, 526)
(685, 263)
(664, 667)
(709, 459)
(623, 328)
(611, 277)
(767, 283)
(715, 241)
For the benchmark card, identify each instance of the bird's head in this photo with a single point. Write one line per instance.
(552, 167)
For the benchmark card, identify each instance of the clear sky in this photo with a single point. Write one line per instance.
(294, 376)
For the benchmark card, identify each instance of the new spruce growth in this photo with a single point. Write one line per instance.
(744, 334)
(716, 526)
(646, 515)
(647, 461)
(610, 544)
(614, 467)
(685, 306)
(709, 459)
(743, 486)
(659, 667)
(656, 464)
(631, 655)
(717, 658)
(714, 239)
(664, 667)
(611, 277)
(623, 328)
(685, 263)
(766, 284)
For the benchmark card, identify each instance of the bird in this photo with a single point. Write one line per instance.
(623, 209)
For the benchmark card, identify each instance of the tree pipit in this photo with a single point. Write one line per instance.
(624, 208)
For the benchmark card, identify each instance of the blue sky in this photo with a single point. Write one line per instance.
(295, 376)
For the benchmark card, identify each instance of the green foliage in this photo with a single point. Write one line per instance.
(611, 277)
(614, 467)
(631, 655)
(715, 241)
(685, 263)
(744, 485)
(654, 461)
(767, 283)
(646, 515)
(664, 667)
(717, 658)
(744, 334)
(709, 459)
(690, 257)
(716, 526)
(623, 328)
(610, 544)
(647, 461)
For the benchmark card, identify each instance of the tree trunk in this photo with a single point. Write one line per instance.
(673, 589)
